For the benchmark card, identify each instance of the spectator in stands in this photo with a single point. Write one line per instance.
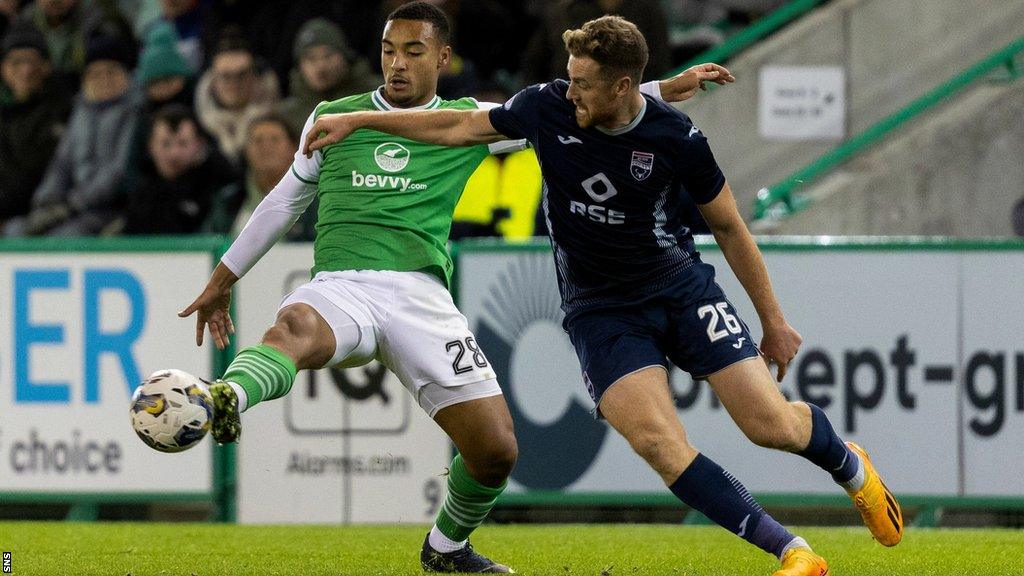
(272, 27)
(67, 25)
(181, 178)
(231, 93)
(33, 112)
(545, 56)
(269, 153)
(139, 15)
(191, 20)
(326, 69)
(8, 14)
(164, 74)
(165, 78)
(81, 193)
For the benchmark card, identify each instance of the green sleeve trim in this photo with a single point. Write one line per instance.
(301, 178)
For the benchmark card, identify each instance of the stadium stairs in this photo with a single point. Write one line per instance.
(889, 64)
(955, 171)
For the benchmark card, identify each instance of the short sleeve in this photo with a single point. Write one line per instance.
(518, 118)
(698, 171)
(503, 146)
(307, 169)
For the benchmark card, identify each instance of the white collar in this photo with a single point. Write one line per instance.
(382, 104)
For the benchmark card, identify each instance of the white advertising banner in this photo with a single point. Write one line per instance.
(344, 446)
(802, 103)
(78, 333)
(993, 373)
(882, 355)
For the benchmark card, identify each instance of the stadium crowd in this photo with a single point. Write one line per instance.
(178, 116)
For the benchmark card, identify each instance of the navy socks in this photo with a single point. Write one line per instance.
(709, 489)
(827, 450)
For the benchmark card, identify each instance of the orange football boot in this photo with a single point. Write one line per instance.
(802, 562)
(878, 507)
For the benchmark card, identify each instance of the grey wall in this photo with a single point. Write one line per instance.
(893, 51)
(957, 171)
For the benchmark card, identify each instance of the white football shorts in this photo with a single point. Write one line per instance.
(408, 322)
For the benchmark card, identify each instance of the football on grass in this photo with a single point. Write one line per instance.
(172, 410)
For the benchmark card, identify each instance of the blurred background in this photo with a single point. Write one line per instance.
(875, 146)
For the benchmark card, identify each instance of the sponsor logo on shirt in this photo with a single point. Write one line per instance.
(391, 157)
(385, 182)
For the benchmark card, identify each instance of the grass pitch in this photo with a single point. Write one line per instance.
(44, 548)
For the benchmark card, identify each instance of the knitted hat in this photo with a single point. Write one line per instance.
(160, 57)
(108, 48)
(25, 35)
(317, 32)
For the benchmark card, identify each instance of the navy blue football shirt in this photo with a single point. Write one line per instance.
(614, 199)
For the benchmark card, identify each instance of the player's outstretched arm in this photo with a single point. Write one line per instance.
(443, 127)
(780, 341)
(213, 308)
(685, 85)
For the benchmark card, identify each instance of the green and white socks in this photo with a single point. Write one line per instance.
(465, 507)
(260, 373)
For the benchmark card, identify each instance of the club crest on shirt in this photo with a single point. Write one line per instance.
(641, 165)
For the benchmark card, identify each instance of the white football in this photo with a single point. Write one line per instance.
(171, 410)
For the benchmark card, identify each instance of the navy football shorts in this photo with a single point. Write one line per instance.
(692, 324)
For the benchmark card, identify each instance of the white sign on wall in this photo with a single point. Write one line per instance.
(344, 446)
(884, 354)
(802, 103)
(79, 333)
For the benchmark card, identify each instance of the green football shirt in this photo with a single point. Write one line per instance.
(386, 203)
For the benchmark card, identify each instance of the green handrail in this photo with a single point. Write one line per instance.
(752, 34)
(779, 200)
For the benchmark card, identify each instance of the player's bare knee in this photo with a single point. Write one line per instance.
(662, 451)
(493, 462)
(505, 456)
(503, 453)
(295, 332)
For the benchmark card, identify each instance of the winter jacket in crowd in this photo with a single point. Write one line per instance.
(29, 134)
(82, 190)
(156, 205)
(230, 127)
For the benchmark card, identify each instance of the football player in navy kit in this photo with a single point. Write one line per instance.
(635, 292)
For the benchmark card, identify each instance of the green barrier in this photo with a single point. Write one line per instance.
(780, 200)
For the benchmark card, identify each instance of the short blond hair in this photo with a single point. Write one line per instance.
(613, 42)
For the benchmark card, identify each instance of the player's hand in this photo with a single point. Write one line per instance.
(684, 85)
(212, 306)
(328, 129)
(779, 346)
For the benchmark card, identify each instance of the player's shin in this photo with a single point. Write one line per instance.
(709, 489)
(827, 450)
(465, 507)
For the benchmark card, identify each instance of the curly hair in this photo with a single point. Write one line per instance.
(613, 42)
